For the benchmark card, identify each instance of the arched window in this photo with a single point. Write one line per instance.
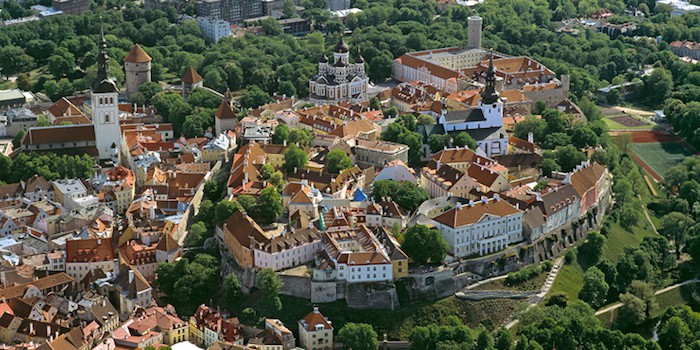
(107, 118)
(101, 100)
(111, 100)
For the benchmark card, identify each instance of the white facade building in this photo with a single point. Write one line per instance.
(480, 227)
(214, 29)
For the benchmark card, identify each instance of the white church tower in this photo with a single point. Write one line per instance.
(491, 104)
(105, 106)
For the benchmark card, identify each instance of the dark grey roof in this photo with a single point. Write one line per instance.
(476, 115)
(483, 134)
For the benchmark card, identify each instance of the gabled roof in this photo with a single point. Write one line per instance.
(191, 76)
(167, 243)
(137, 55)
(470, 214)
(88, 250)
(314, 319)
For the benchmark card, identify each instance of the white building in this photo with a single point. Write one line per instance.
(214, 29)
(355, 256)
(480, 227)
(315, 332)
(680, 7)
(396, 170)
(72, 193)
(340, 81)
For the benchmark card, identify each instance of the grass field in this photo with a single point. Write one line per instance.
(660, 156)
(613, 125)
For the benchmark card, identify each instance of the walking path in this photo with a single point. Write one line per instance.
(558, 263)
(488, 280)
(646, 214)
(660, 291)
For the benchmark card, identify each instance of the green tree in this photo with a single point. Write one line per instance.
(337, 160)
(675, 226)
(657, 86)
(61, 64)
(674, 333)
(632, 312)
(289, 9)
(485, 340)
(438, 141)
(294, 158)
(532, 125)
(270, 285)
(23, 82)
(464, 139)
(375, 104)
(425, 245)
(568, 157)
(301, 137)
(549, 165)
(232, 290)
(269, 206)
(645, 292)
(148, 90)
(358, 336)
(503, 339)
(281, 134)
(592, 248)
(224, 210)
(196, 234)
(595, 289)
(254, 97)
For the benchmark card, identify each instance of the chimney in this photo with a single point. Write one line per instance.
(131, 276)
(530, 138)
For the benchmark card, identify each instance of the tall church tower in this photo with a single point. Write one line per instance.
(474, 24)
(491, 105)
(105, 106)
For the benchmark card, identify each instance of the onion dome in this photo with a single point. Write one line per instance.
(341, 47)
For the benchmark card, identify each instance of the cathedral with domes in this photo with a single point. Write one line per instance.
(340, 80)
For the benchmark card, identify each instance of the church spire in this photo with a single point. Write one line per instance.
(102, 82)
(489, 95)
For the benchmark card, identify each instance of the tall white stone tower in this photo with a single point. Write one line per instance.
(491, 104)
(474, 24)
(137, 65)
(105, 106)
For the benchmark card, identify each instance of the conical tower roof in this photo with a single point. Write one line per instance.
(137, 55)
(225, 111)
(191, 76)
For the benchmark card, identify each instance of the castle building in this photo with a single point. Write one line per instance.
(190, 81)
(340, 81)
(137, 65)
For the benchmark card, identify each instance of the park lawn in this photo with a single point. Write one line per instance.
(660, 156)
(396, 324)
(6, 84)
(672, 298)
(570, 278)
(569, 281)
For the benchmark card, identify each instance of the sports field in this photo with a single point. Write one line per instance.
(660, 156)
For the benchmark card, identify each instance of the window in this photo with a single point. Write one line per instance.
(107, 118)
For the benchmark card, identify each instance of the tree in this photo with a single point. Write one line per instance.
(196, 234)
(294, 158)
(374, 103)
(673, 334)
(281, 134)
(14, 60)
(425, 245)
(254, 97)
(645, 292)
(592, 248)
(358, 336)
(380, 68)
(270, 285)
(232, 290)
(61, 64)
(532, 125)
(633, 310)
(675, 226)
(425, 119)
(583, 136)
(503, 339)
(337, 160)
(269, 206)
(464, 139)
(438, 141)
(595, 289)
(485, 340)
(300, 137)
(23, 82)
(289, 9)
(406, 194)
(657, 86)
(559, 299)
(568, 157)
(549, 165)
(224, 210)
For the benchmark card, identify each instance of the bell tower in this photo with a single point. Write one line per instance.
(491, 105)
(105, 105)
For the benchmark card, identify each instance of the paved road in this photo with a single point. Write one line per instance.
(660, 291)
(558, 263)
